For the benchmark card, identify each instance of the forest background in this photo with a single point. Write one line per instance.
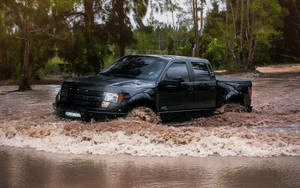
(79, 37)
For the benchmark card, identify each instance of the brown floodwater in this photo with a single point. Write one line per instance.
(28, 168)
(233, 148)
(272, 129)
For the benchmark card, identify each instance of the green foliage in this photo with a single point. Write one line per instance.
(261, 23)
(118, 22)
(54, 66)
(215, 52)
(26, 27)
(288, 48)
(85, 36)
(85, 57)
(187, 49)
(18, 72)
(10, 49)
(145, 43)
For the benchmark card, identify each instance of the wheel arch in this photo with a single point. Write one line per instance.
(142, 99)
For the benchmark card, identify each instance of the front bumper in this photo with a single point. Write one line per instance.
(88, 113)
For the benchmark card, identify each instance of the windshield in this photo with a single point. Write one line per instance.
(139, 67)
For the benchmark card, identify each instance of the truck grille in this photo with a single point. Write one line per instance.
(77, 96)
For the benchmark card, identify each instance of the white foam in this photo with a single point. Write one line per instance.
(108, 143)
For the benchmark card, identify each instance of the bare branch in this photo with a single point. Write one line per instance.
(18, 38)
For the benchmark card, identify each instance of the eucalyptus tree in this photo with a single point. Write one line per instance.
(119, 25)
(31, 21)
(249, 28)
(6, 45)
(118, 22)
(290, 45)
(197, 11)
(262, 21)
(82, 27)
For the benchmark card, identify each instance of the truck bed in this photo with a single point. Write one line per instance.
(234, 81)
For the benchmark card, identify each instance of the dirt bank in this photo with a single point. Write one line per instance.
(291, 68)
(273, 128)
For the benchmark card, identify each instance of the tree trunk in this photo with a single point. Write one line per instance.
(252, 49)
(174, 33)
(252, 38)
(122, 49)
(174, 45)
(226, 33)
(241, 33)
(159, 48)
(89, 20)
(201, 17)
(196, 34)
(234, 34)
(248, 20)
(24, 84)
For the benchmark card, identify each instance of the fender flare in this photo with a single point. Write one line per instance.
(141, 99)
(230, 91)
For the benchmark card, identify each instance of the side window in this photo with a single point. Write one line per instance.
(177, 71)
(201, 71)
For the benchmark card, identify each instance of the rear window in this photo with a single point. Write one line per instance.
(201, 71)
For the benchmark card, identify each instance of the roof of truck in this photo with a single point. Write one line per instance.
(174, 57)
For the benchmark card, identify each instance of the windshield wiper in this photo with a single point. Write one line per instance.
(105, 74)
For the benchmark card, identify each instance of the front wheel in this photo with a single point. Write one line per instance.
(143, 114)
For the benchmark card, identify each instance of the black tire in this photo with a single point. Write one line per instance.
(59, 113)
(143, 114)
(86, 118)
(247, 102)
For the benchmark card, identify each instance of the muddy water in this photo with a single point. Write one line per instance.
(121, 153)
(28, 168)
(273, 129)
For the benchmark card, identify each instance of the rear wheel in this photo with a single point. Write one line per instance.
(247, 102)
(143, 114)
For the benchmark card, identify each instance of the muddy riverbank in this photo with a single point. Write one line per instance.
(272, 129)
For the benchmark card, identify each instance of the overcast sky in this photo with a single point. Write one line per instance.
(167, 16)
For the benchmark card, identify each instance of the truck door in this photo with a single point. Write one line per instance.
(175, 90)
(204, 86)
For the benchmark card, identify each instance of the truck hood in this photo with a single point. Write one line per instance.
(110, 84)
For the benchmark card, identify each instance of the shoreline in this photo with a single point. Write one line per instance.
(263, 71)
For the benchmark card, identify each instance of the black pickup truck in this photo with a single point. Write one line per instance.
(163, 84)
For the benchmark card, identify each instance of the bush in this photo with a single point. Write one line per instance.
(187, 49)
(215, 52)
(53, 66)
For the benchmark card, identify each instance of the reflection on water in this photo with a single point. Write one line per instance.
(28, 168)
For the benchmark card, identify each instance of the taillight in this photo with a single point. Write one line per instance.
(250, 92)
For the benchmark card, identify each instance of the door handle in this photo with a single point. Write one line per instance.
(170, 86)
(190, 89)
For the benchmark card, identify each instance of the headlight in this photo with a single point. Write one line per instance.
(111, 97)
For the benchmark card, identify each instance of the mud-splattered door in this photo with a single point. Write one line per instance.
(175, 91)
